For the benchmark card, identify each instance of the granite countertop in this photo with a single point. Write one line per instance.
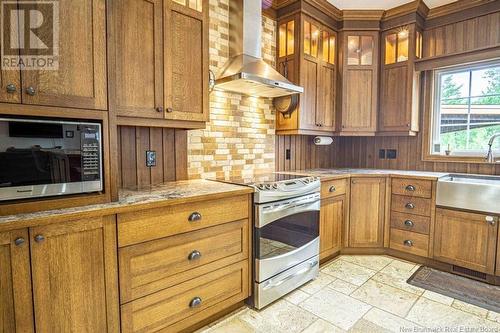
(348, 172)
(133, 199)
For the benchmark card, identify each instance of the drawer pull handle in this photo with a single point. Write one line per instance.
(19, 241)
(11, 88)
(332, 189)
(194, 255)
(490, 220)
(409, 223)
(31, 91)
(195, 302)
(409, 205)
(39, 238)
(194, 217)
(410, 188)
(408, 243)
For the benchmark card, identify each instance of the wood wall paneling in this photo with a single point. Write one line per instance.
(170, 146)
(304, 154)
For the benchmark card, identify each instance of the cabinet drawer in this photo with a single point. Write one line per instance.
(183, 305)
(148, 267)
(412, 187)
(146, 225)
(409, 242)
(333, 188)
(411, 205)
(409, 222)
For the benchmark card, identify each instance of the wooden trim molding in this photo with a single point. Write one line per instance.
(455, 7)
(447, 60)
(417, 6)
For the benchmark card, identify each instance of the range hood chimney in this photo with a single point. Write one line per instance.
(245, 72)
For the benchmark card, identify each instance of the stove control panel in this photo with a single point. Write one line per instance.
(287, 185)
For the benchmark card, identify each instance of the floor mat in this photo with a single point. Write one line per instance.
(459, 287)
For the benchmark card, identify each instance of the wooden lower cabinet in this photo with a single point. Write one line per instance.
(367, 212)
(179, 307)
(466, 239)
(16, 305)
(330, 228)
(74, 273)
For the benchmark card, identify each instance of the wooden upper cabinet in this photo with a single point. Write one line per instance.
(466, 239)
(136, 57)
(399, 83)
(186, 59)
(367, 212)
(74, 268)
(16, 306)
(359, 82)
(80, 79)
(312, 45)
(10, 86)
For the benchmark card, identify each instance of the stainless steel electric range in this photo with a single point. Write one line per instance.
(286, 234)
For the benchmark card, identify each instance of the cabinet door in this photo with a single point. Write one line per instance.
(80, 80)
(325, 115)
(360, 74)
(136, 57)
(74, 270)
(466, 239)
(367, 211)
(330, 228)
(10, 85)
(394, 115)
(308, 100)
(186, 59)
(16, 307)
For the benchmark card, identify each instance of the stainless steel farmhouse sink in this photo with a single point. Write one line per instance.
(472, 192)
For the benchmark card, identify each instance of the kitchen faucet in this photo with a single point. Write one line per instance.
(489, 156)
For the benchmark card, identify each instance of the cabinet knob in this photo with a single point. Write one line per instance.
(39, 238)
(194, 255)
(195, 302)
(170, 110)
(194, 217)
(410, 188)
(490, 220)
(19, 241)
(409, 223)
(332, 188)
(409, 205)
(11, 88)
(408, 243)
(31, 91)
(159, 109)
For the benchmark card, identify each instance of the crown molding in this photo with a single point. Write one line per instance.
(417, 6)
(366, 15)
(455, 7)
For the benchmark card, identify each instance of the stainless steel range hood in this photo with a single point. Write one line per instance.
(246, 72)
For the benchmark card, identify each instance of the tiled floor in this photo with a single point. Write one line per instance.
(362, 294)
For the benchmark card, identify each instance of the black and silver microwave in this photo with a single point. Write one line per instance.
(42, 158)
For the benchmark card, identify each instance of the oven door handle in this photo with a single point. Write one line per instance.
(264, 217)
(270, 283)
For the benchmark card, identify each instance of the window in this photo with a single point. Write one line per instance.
(466, 110)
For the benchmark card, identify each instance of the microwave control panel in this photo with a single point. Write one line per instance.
(91, 153)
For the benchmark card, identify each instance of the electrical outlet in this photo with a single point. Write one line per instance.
(288, 154)
(392, 154)
(381, 154)
(150, 158)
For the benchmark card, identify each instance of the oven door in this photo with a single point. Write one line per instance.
(286, 234)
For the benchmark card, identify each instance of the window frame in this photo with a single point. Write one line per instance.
(435, 114)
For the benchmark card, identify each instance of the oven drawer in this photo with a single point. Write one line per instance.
(266, 268)
(409, 222)
(409, 242)
(411, 205)
(148, 267)
(181, 306)
(146, 225)
(333, 188)
(281, 284)
(412, 187)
